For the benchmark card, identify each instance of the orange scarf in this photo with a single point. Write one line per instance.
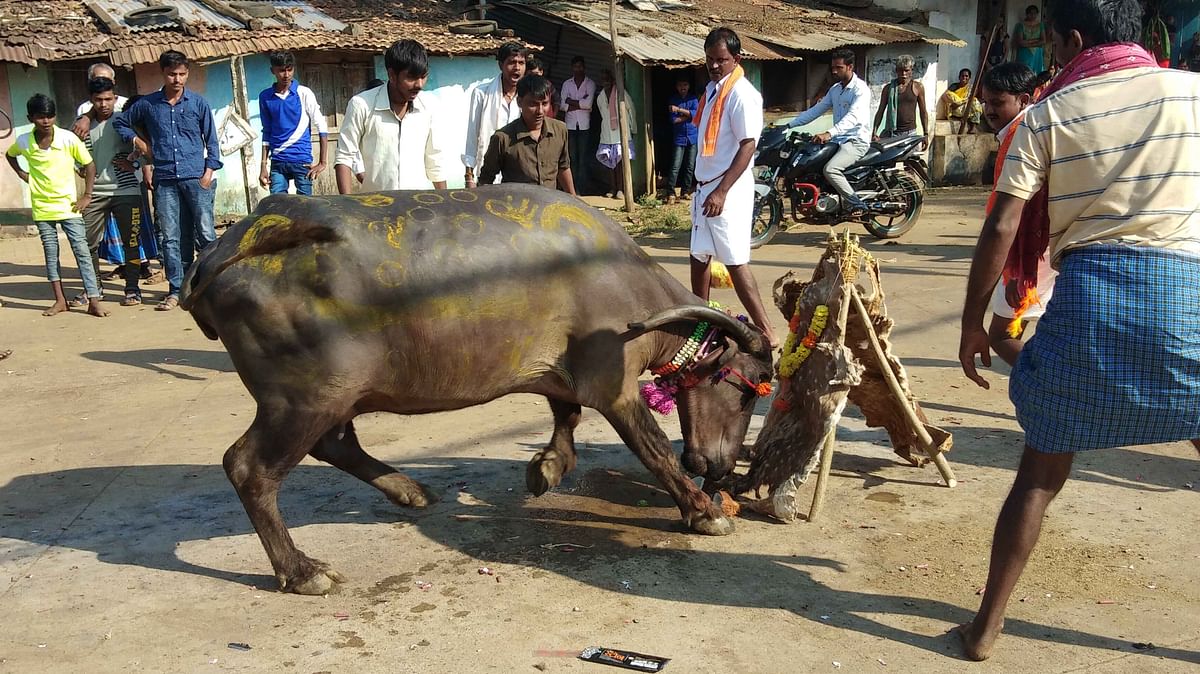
(708, 146)
(1005, 143)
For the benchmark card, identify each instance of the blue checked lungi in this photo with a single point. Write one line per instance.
(1116, 358)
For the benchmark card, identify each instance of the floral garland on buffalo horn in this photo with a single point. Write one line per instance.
(680, 373)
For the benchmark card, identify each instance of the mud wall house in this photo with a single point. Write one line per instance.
(47, 46)
(786, 49)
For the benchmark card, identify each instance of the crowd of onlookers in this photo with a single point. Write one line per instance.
(148, 163)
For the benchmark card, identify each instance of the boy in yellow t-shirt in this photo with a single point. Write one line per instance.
(51, 154)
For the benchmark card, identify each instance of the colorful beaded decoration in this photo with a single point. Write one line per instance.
(686, 353)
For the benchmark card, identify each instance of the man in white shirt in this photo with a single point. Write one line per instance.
(493, 106)
(390, 126)
(83, 123)
(578, 94)
(729, 121)
(608, 153)
(850, 100)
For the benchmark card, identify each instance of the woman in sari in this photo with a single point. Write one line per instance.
(1029, 41)
(953, 103)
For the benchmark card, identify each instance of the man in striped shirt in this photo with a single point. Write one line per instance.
(116, 193)
(288, 110)
(1109, 163)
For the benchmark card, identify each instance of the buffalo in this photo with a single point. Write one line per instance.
(424, 301)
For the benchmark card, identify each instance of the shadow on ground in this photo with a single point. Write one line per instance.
(153, 360)
(138, 515)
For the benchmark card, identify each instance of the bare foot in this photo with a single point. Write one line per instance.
(56, 308)
(95, 308)
(977, 641)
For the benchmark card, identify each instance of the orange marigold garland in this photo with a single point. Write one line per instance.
(797, 349)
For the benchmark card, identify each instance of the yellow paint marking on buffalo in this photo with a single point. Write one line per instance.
(260, 228)
(521, 213)
(271, 265)
(464, 196)
(428, 198)
(468, 222)
(372, 200)
(390, 273)
(554, 215)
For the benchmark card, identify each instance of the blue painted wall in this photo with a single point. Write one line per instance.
(450, 80)
(23, 83)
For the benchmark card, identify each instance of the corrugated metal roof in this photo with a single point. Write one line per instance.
(308, 17)
(644, 36)
(672, 33)
(196, 13)
(117, 9)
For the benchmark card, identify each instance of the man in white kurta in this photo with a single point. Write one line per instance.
(391, 126)
(493, 106)
(729, 123)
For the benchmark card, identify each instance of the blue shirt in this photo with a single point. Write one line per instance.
(183, 137)
(287, 121)
(685, 131)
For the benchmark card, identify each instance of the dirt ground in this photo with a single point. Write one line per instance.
(124, 548)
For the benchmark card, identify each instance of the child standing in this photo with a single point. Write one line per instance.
(1008, 89)
(51, 154)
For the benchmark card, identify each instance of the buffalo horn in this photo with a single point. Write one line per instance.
(749, 339)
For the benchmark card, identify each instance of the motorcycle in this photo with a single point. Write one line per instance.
(891, 179)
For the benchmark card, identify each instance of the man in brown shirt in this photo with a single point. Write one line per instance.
(532, 149)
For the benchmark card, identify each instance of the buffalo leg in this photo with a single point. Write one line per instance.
(341, 449)
(256, 464)
(547, 467)
(639, 431)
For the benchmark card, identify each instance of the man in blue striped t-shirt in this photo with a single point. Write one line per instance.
(287, 111)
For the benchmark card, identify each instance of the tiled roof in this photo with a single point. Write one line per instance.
(55, 30)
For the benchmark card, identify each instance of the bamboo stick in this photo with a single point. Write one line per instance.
(910, 415)
(828, 447)
(818, 501)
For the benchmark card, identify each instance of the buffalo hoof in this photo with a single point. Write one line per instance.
(318, 581)
(405, 491)
(710, 525)
(544, 472)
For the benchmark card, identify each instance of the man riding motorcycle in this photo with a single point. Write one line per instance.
(850, 99)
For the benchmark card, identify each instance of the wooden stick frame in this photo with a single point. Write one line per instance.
(910, 415)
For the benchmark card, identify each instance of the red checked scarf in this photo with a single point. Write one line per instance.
(1033, 235)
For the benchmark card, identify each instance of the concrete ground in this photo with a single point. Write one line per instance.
(124, 548)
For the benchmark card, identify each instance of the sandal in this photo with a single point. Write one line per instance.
(169, 303)
(132, 299)
(80, 300)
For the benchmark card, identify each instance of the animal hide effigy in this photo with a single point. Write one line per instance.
(842, 366)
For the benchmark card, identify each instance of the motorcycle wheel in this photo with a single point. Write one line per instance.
(765, 219)
(895, 226)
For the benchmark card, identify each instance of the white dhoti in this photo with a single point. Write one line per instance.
(726, 236)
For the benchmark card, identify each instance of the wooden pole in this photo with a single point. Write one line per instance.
(622, 111)
(818, 501)
(910, 415)
(830, 437)
(241, 104)
(978, 78)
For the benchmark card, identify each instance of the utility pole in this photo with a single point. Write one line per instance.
(622, 110)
